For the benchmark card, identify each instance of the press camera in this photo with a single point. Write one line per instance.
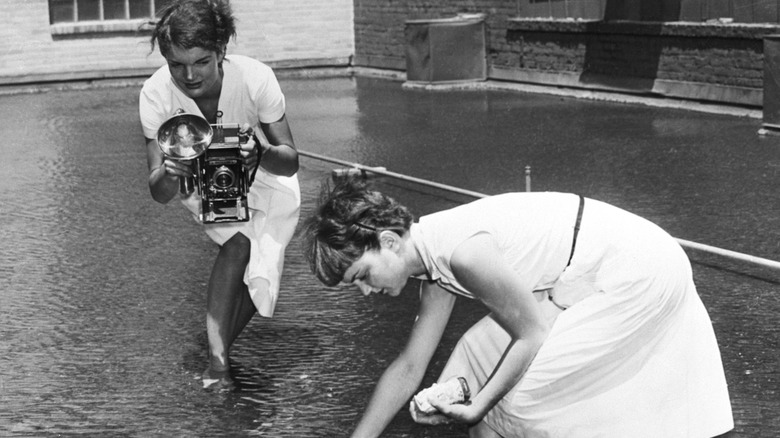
(221, 179)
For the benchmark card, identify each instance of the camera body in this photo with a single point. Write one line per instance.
(222, 179)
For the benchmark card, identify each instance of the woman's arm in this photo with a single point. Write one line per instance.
(480, 267)
(402, 378)
(163, 173)
(277, 148)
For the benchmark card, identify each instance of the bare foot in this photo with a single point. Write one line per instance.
(217, 380)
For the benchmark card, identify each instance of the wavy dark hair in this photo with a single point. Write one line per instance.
(208, 24)
(346, 223)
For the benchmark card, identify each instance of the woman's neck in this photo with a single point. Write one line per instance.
(208, 103)
(414, 259)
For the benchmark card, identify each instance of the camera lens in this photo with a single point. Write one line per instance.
(223, 178)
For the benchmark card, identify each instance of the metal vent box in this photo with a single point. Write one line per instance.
(446, 50)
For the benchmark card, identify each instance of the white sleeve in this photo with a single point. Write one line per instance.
(151, 109)
(268, 96)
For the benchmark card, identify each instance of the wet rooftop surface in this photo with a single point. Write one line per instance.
(102, 291)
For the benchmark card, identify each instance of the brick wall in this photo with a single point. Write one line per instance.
(640, 51)
(701, 61)
(721, 63)
(283, 33)
(379, 26)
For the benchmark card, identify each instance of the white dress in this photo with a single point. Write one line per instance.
(250, 94)
(634, 353)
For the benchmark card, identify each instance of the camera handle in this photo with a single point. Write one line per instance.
(251, 134)
(259, 153)
(186, 185)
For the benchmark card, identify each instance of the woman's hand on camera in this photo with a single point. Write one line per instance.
(273, 151)
(177, 168)
(251, 149)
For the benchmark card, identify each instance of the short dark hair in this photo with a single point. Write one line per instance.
(208, 24)
(347, 223)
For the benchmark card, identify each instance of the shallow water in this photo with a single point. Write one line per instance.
(102, 291)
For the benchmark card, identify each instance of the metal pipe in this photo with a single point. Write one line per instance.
(382, 171)
(729, 254)
(684, 243)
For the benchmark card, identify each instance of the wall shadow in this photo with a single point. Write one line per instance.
(623, 50)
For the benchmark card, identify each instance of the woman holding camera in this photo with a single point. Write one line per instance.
(595, 327)
(201, 79)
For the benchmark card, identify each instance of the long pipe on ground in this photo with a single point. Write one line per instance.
(684, 243)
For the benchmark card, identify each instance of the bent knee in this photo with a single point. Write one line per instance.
(237, 248)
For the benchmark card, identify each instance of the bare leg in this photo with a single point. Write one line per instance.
(229, 306)
(482, 430)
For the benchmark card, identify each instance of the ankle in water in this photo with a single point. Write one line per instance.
(217, 380)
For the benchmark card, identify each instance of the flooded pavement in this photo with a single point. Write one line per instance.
(102, 291)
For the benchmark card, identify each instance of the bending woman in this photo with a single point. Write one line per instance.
(595, 326)
(201, 79)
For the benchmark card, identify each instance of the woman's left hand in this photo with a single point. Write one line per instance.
(447, 413)
(251, 149)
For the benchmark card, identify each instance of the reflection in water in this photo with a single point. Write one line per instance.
(103, 290)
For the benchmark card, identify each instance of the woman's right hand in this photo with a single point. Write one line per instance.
(165, 180)
(177, 168)
(164, 173)
(421, 417)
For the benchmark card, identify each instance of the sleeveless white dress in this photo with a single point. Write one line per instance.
(632, 355)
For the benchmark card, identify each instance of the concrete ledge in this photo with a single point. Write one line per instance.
(746, 96)
(86, 75)
(322, 66)
(742, 96)
(569, 85)
(383, 62)
(340, 62)
(393, 75)
(7, 90)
